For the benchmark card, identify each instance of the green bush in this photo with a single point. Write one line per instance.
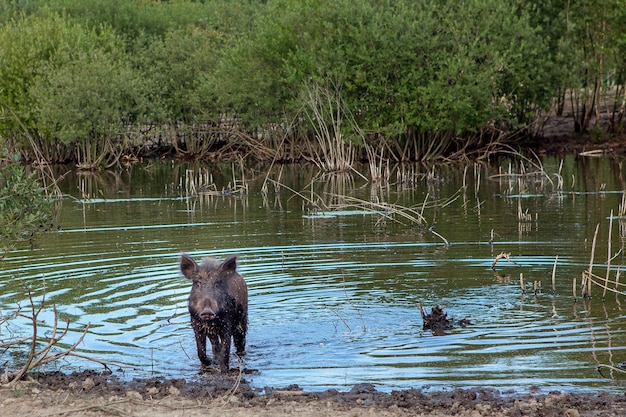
(28, 50)
(175, 67)
(25, 209)
(428, 76)
(68, 85)
(433, 68)
(134, 19)
(94, 94)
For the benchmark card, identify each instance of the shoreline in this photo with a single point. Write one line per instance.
(89, 394)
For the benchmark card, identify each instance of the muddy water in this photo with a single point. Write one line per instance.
(336, 268)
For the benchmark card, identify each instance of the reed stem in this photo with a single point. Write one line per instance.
(586, 285)
(608, 261)
(554, 275)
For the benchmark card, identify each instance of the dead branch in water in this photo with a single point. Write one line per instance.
(554, 275)
(345, 291)
(39, 356)
(502, 255)
(619, 369)
(585, 282)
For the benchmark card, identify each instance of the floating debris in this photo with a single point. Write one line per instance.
(438, 322)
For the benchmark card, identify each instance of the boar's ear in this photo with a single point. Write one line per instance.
(188, 266)
(230, 264)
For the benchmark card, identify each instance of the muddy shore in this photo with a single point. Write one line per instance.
(92, 394)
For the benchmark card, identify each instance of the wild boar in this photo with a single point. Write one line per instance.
(218, 305)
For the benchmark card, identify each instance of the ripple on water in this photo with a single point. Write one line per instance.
(326, 309)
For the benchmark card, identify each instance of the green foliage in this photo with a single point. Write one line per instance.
(90, 72)
(134, 19)
(175, 67)
(93, 95)
(68, 84)
(28, 49)
(25, 209)
(436, 67)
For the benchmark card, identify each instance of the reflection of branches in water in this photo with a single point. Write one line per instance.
(335, 198)
(621, 368)
(101, 184)
(313, 201)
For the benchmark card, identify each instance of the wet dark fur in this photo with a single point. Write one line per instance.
(217, 289)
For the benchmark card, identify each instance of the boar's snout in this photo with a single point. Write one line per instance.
(207, 314)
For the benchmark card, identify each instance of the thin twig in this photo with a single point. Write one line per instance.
(343, 280)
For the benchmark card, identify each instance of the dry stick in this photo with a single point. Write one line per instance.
(586, 285)
(506, 256)
(407, 212)
(521, 281)
(310, 201)
(612, 368)
(574, 289)
(616, 290)
(33, 345)
(554, 275)
(340, 318)
(439, 236)
(595, 279)
(41, 357)
(608, 262)
(421, 307)
(225, 399)
(424, 206)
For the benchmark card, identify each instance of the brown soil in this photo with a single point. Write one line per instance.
(92, 394)
(559, 138)
(577, 145)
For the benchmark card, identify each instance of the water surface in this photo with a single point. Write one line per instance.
(336, 272)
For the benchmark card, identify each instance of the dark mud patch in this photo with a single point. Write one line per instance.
(232, 391)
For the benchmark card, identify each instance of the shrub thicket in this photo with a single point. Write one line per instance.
(437, 70)
(91, 79)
